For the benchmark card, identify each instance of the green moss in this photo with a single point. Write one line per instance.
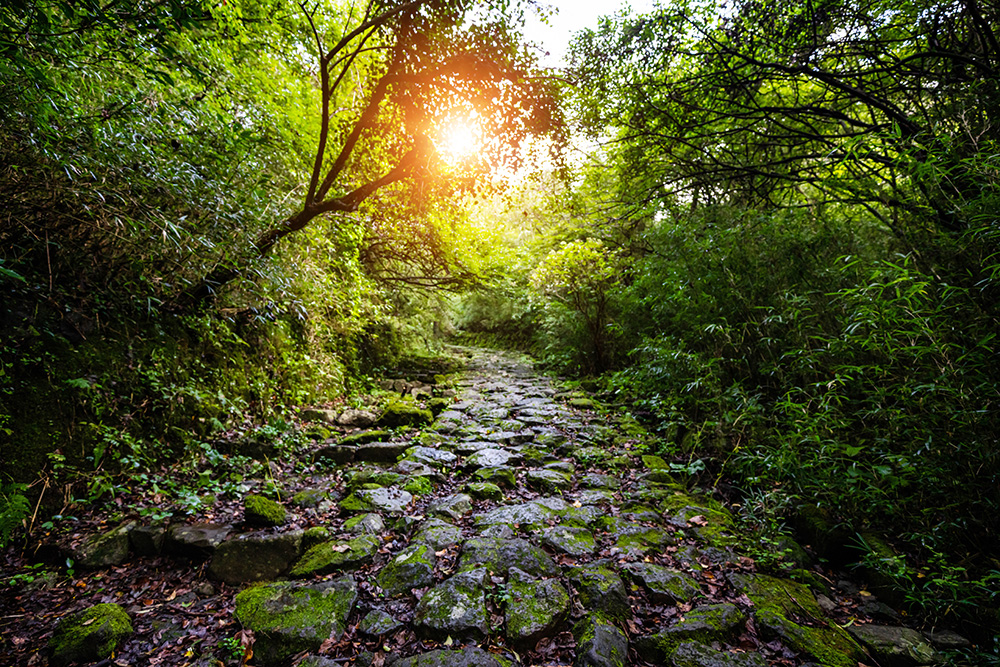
(261, 511)
(90, 635)
(314, 536)
(501, 476)
(333, 556)
(402, 414)
(364, 438)
(438, 405)
(419, 486)
(484, 490)
(778, 601)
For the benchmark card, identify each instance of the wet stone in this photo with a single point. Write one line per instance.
(489, 458)
(532, 515)
(414, 469)
(377, 623)
(467, 447)
(147, 540)
(501, 476)
(392, 500)
(693, 654)
(536, 608)
(464, 657)
(663, 583)
(454, 507)
(365, 524)
(484, 491)
(413, 567)
(601, 589)
(561, 466)
(105, 549)
(195, 540)
(288, 618)
(438, 534)
(380, 452)
(255, 557)
(598, 481)
(600, 644)
(644, 541)
(893, 646)
(435, 458)
(594, 496)
(454, 608)
(499, 555)
(334, 556)
(548, 481)
(570, 540)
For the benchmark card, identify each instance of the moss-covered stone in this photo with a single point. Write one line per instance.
(364, 437)
(307, 498)
(261, 511)
(365, 524)
(484, 491)
(455, 608)
(333, 556)
(255, 557)
(663, 583)
(90, 635)
(696, 654)
(599, 643)
(105, 549)
(438, 405)
(391, 500)
(536, 608)
(896, 646)
(419, 486)
(413, 567)
(499, 555)
(788, 611)
(705, 625)
(402, 414)
(572, 540)
(548, 481)
(501, 476)
(601, 591)
(288, 618)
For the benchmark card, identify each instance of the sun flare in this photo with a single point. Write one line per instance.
(459, 140)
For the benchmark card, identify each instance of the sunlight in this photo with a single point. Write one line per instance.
(459, 139)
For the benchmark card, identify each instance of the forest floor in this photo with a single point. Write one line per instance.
(524, 526)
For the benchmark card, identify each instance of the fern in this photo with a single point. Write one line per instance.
(14, 510)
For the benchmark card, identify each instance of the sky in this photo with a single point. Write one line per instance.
(573, 16)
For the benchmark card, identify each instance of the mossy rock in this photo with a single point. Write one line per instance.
(484, 491)
(438, 405)
(599, 643)
(288, 618)
(583, 403)
(501, 476)
(696, 654)
(705, 625)
(106, 549)
(419, 486)
(261, 511)
(401, 414)
(455, 608)
(787, 610)
(316, 432)
(333, 556)
(413, 567)
(601, 591)
(372, 478)
(90, 635)
(364, 437)
(536, 608)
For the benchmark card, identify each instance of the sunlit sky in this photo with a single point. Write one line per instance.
(573, 16)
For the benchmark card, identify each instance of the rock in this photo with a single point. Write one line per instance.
(707, 624)
(570, 540)
(261, 511)
(590, 455)
(318, 415)
(601, 590)
(415, 469)
(413, 567)
(380, 452)
(693, 654)
(501, 476)
(438, 534)
(309, 498)
(663, 583)
(288, 618)
(391, 500)
(255, 557)
(454, 506)
(147, 540)
(582, 404)
(365, 524)
(948, 640)
(197, 540)
(356, 418)
(654, 462)
(464, 657)
(364, 437)
(532, 515)
(90, 635)
(340, 454)
(402, 414)
(484, 491)
(455, 608)
(893, 646)
(548, 481)
(499, 555)
(104, 550)
(377, 623)
(600, 644)
(436, 458)
(489, 458)
(333, 556)
(778, 601)
(597, 481)
(536, 608)
(644, 540)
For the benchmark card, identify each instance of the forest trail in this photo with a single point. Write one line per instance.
(523, 527)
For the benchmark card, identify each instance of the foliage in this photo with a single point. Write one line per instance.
(14, 510)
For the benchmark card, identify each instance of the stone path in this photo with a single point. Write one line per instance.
(520, 528)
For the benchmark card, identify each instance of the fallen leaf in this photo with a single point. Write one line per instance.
(698, 520)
